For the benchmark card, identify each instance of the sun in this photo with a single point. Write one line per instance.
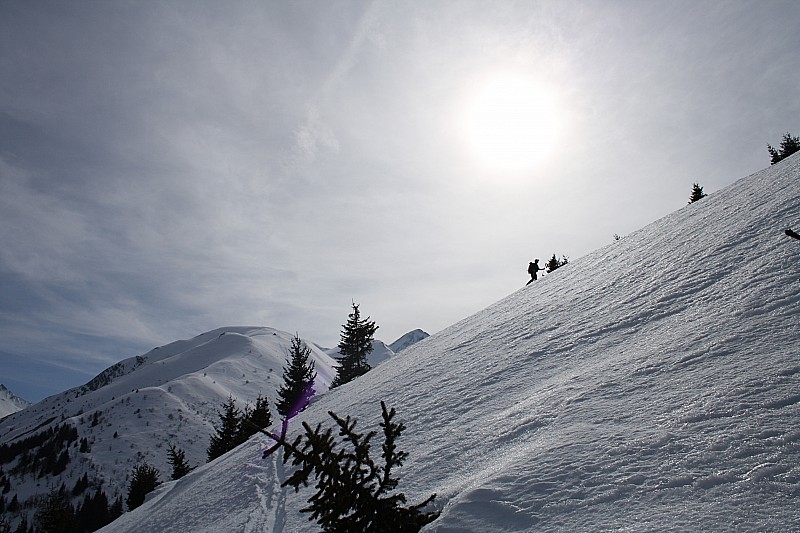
(510, 122)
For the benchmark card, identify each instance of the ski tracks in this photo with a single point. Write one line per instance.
(269, 516)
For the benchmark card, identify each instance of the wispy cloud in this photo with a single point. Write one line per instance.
(166, 170)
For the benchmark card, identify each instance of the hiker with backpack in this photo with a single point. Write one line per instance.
(533, 268)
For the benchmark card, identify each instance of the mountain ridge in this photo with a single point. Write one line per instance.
(169, 395)
(10, 403)
(649, 385)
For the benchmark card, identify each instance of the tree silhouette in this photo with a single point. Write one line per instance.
(697, 193)
(788, 146)
(144, 480)
(177, 459)
(298, 380)
(554, 262)
(354, 493)
(254, 419)
(355, 345)
(228, 434)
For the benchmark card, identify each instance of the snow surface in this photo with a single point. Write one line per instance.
(10, 402)
(651, 385)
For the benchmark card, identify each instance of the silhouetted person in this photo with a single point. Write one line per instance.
(533, 268)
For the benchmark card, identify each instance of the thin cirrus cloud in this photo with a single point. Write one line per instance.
(168, 169)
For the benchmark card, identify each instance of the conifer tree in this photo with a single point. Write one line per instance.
(56, 514)
(228, 434)
(177, 459)
(81, 485)
(555, 262)
(355, 345)
(788, 146)
(94, 513)
(144, 479)
(697, 193)
(254, 419)
(298, 380)
(354, 493)
(115, 510)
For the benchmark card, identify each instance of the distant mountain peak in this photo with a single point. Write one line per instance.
(10, 402)
(410, 338)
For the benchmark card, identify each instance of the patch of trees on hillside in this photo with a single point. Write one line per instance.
(789, 145)
(43, 453)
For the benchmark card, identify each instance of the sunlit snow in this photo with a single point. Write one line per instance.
(651, 385)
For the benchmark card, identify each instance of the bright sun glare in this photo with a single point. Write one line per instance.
(510, 122)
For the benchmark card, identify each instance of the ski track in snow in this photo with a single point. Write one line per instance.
(651, 385)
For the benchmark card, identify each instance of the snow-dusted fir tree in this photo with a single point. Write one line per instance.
(355, 345)
(697, 193)
(298, 380)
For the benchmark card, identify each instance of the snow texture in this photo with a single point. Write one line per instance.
(650, 385)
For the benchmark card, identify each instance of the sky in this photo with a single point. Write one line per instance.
(169, 168)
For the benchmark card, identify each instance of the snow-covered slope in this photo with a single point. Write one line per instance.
(407, 340)
(650, 385)
(380, 353)
(10, 402)
(132, 411)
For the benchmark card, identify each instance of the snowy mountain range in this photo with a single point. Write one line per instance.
(131, 412)
(10, 403)
(381, 352)
(651, 385)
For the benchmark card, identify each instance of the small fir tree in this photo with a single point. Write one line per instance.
(298, 380)
(555, 262)
(355, 345)
(697, 193)
(354, 493)
(788, 146)
(177, 459)
(255, 419)
(228, 434)
(144, 479)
